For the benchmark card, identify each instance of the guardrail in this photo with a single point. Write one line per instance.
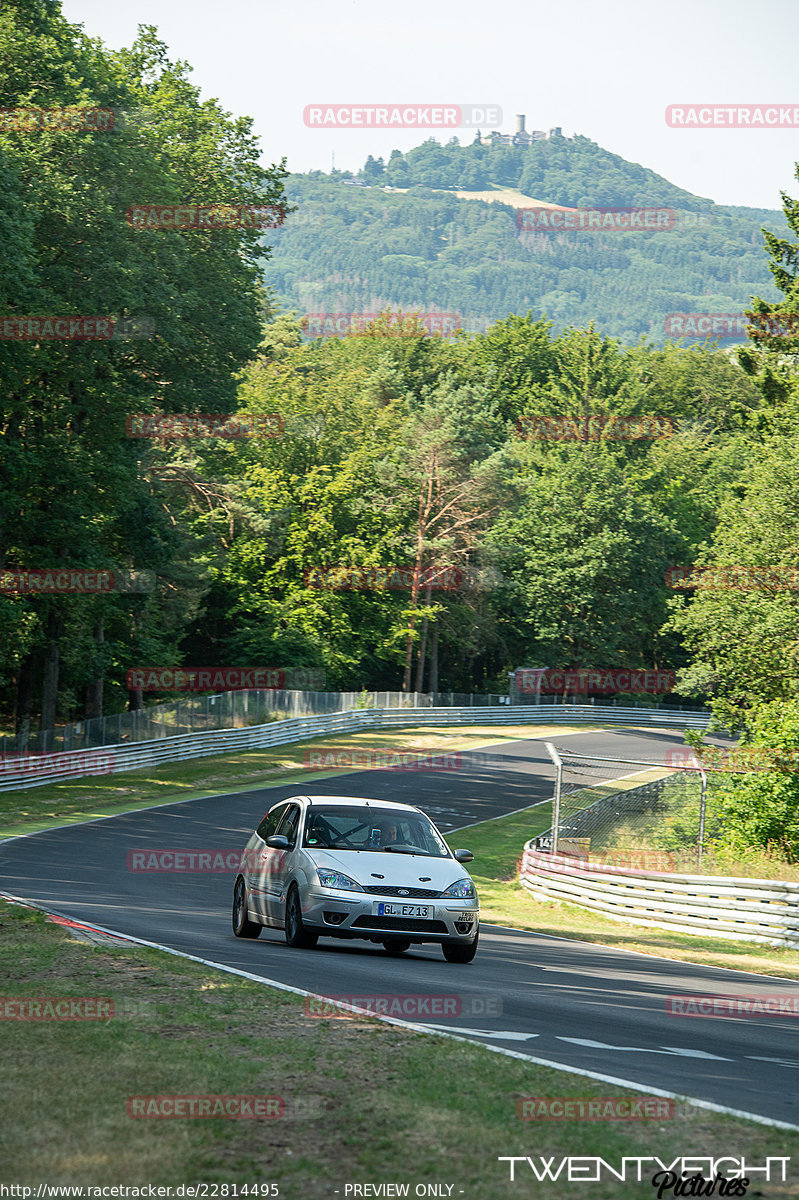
(746, 910)
(26, 771)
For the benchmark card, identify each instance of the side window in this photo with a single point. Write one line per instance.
(269, 824)
(289, 823)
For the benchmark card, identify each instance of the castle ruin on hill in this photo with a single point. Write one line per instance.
(521, 137)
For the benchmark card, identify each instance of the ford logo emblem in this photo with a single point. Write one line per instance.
(403, 892)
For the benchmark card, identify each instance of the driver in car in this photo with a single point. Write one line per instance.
(390, 836)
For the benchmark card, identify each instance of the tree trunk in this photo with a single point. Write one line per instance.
(24, 704)
(434, 662)
(135, 697)
(423, 643)
(421, 656)
(52, 650)
(94, 690)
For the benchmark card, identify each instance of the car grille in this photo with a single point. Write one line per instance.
(411, 893)
(399, 923)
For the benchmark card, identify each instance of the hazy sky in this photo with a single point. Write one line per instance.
(604, 69)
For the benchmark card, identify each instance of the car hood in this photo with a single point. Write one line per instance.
(399, 870)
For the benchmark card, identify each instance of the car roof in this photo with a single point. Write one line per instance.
(355, 802)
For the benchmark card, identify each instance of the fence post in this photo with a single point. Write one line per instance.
(702, 805)
(553, 754)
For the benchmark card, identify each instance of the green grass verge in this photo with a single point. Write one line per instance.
(364, 1102)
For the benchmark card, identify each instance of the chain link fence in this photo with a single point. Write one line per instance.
(224, 710)
(235, 710)
(632, 812)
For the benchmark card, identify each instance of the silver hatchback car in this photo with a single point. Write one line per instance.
(334, 866)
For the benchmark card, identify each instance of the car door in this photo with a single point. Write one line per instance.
(281, 863)
(259, 861)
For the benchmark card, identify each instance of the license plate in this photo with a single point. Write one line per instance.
(404, 910)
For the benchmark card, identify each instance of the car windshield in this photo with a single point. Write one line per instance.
(391, 831)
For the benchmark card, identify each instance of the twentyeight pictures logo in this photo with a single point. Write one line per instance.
(402, 116)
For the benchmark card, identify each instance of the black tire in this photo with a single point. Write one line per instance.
(243, 927)
(460, 952)
(296, 933)
(396, 946)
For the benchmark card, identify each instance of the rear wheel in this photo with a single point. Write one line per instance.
(396, 946)
(460, 952)
(296, 933)
(243, 927)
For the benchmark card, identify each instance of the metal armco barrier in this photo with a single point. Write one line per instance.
(36, 770)
(746, 910)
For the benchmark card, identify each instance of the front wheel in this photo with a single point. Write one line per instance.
(460, 952)
(395, 946)
(296, 933)
(243, 927)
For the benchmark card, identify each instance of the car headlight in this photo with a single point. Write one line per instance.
(463, 889)
(335, 879)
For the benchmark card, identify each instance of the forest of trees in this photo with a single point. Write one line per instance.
(350, 248)
(392, 447)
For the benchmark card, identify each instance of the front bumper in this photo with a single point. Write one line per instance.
(333, 913)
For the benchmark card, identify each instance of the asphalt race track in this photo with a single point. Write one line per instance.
(580, 1005)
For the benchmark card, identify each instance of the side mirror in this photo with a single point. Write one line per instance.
(278, 842)
(463, 855)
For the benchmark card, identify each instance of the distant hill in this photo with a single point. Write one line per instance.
(436, 229)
